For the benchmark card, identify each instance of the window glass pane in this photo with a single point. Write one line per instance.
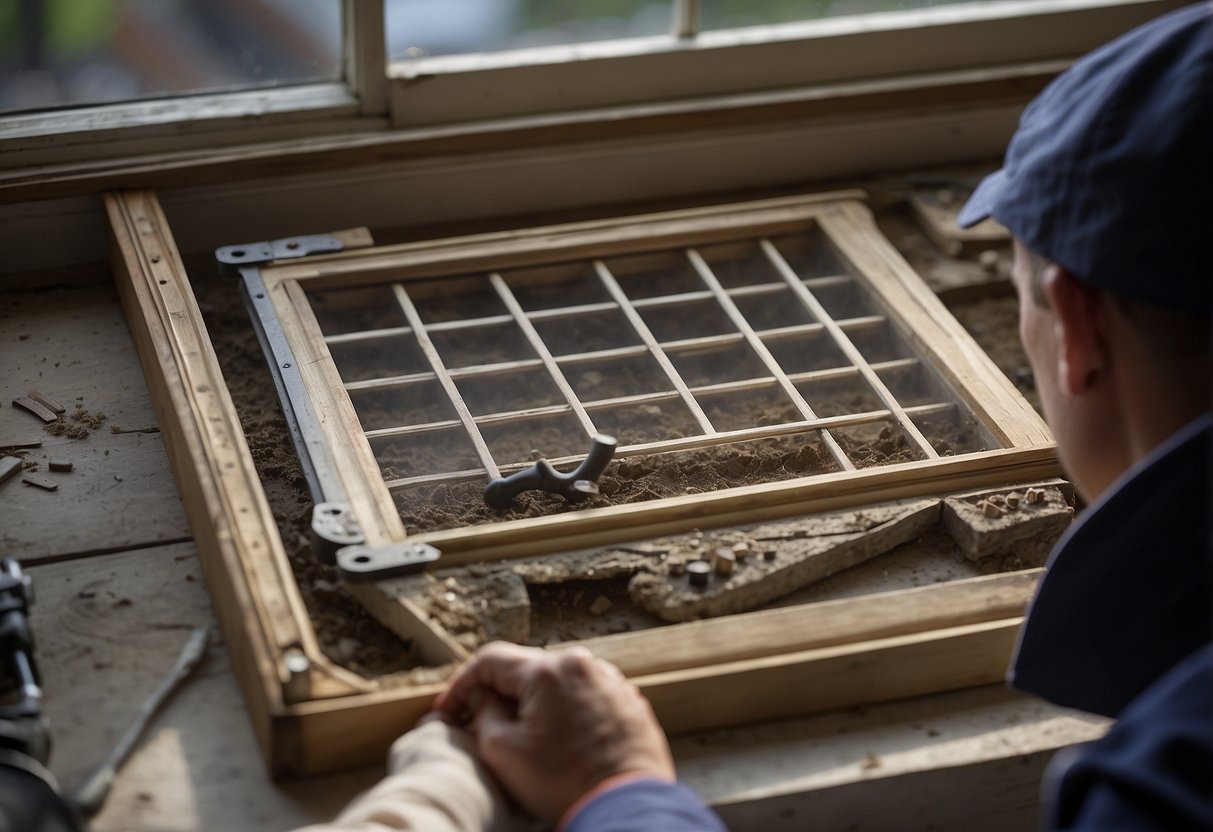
(69, 52)
(729, 14)
(417, 28)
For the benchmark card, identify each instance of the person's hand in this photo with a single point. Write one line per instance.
(552, 725)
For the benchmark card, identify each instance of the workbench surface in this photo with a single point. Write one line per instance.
(119, 588)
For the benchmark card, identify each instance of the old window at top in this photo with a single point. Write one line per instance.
(417, 28)
(747, 360)
(57, 53)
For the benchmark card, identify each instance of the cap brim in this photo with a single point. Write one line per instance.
(981, 204)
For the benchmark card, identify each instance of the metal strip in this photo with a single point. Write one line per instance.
(322, 479)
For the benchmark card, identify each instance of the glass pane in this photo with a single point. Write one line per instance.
(57, 53)
(417, 28)
(729, 14)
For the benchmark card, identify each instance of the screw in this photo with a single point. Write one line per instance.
(699, 572)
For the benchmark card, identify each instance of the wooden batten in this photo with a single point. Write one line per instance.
(831, 677)
(765, 633)
(247, 570)
(749, 504)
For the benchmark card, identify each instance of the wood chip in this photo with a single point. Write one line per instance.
(9, 466)
(38, 409)
(45, 483)
(46, 401)
(21, 446)
(60, 465)
(724, 561)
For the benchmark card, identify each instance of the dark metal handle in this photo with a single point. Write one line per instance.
(573, 486)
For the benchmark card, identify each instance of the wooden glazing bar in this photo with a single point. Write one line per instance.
(364, 335)
(691, 443)
(848, 420)
(744, 504)
(764, 355)
(569, 311)
(655, 349)
(724, 387)
(541, 349)
(814, 330)
(753, 289)
(499, 368)
(545, 314)
(444, 378)
(848, 348)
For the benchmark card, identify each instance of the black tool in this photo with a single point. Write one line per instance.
(29, 796)
(576, 485)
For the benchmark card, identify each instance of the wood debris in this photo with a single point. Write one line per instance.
(9, 466)
(35, 407)
(46, 401)
(807, 551)
(20, 446)
(997, 523)
(45, 483)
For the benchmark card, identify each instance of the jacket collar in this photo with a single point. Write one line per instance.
(1127, 591)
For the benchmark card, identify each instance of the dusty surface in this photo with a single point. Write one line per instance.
(579, 595)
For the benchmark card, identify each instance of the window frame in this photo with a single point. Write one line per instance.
(583, 81)
(809, 54)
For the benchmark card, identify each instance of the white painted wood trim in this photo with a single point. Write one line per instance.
(190, 122)
(459, 88)
(364, 54)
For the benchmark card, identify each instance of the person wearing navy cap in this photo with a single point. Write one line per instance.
(1107, 189)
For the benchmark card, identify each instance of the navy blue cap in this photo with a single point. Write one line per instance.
(1110, 173)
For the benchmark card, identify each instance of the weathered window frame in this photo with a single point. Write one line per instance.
(312, 716)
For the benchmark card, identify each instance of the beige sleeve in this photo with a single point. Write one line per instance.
(434, 783)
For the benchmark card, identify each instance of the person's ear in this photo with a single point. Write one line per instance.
(1079, 321)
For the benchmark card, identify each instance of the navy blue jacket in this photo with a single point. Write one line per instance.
(1121, 626)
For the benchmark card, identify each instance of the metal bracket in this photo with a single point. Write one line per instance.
(251, 254)
(334, 527)
(323, 480)
(373, 563)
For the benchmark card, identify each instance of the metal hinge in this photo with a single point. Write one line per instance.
(235, 257)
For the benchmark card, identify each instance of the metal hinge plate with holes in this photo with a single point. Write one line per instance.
(367, 563)
(288, 248)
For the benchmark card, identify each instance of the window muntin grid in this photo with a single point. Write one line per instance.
(819, 350)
